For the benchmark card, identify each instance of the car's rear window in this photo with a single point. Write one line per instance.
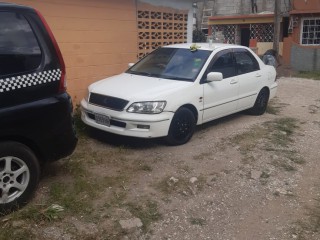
(19, 48)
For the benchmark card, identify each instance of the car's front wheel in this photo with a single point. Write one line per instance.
(19, 175)
(182, 127)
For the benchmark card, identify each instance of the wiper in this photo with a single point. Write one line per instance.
(177, 78)
(141, 73)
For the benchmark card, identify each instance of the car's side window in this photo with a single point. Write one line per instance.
(19, 48)
(223, 62)
(245, 61)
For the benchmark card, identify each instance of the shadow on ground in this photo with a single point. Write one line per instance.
(143, 143)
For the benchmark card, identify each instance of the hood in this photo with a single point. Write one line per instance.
(136, 87)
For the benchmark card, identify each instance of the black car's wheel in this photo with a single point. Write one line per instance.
(261, 103)
(182, 127)
(19, 175)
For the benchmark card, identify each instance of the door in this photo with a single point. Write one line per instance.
(245, 36)
(249, 78)
(220, 97)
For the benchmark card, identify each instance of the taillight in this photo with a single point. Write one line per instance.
(63, 82)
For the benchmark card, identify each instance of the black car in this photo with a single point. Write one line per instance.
(36, 123)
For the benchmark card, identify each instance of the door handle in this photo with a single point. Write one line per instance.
(233, 81)
(258, 75)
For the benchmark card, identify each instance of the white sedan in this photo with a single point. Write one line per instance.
(176, 87)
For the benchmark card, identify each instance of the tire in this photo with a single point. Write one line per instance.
(182, 127)
(261, 103)
(19, 175)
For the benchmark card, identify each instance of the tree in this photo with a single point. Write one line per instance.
(277, 19)
(198, 36)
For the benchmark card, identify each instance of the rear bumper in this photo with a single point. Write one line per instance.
(46, 126)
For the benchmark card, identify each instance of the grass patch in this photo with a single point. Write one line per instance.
(203, 156)
(264, 175)
(315, 75)
(76, 197)
(83, 185)
(18, 225)
(145, 167)
(114, 181)
(282, 130)
(287, 125)
(305, 229)
(197, 221)
(7, 231)
(273, 136)
(313, 109)
(271, 109)
(185, 169)
(247, 141)
(40, 213)
(291, 155)
(74, 165)
(81, 127)
(297, 159)
(274, 107)
(169, 186)
(284, 165)
(147, 212)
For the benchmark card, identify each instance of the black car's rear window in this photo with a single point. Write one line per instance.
(19, 48)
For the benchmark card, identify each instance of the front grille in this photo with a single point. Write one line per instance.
(113, 103)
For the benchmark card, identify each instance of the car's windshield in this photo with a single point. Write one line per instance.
(172, 63)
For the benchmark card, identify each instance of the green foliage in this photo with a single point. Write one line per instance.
(311, 75)
(198, 36)
(81, 128)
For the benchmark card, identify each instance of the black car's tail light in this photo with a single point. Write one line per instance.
(63, 82)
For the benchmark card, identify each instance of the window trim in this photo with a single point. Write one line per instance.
(301, 30)
(27, 19)
(250, 55)
(212, 61)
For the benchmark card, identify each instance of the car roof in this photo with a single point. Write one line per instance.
(7, 6)
(204, 46)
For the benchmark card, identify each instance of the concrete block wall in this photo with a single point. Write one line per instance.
(305, 58)
(238, 7)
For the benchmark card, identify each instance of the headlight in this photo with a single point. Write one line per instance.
(147, 107)
(86, 97)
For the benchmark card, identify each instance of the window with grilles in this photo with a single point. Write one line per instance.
(263, 32)
(310, 31)
(227, 32)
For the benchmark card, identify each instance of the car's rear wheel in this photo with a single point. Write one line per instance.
(261, 103)
(19, 175)
(182, 127)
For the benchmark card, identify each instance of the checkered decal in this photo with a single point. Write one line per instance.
(28, 80)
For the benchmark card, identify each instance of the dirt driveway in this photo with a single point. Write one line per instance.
(241, 177)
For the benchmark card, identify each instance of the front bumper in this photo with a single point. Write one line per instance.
(128, 124)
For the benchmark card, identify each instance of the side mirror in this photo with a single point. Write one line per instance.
(214, 76)
(130, 65)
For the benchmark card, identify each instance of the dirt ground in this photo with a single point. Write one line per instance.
(241, 177)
